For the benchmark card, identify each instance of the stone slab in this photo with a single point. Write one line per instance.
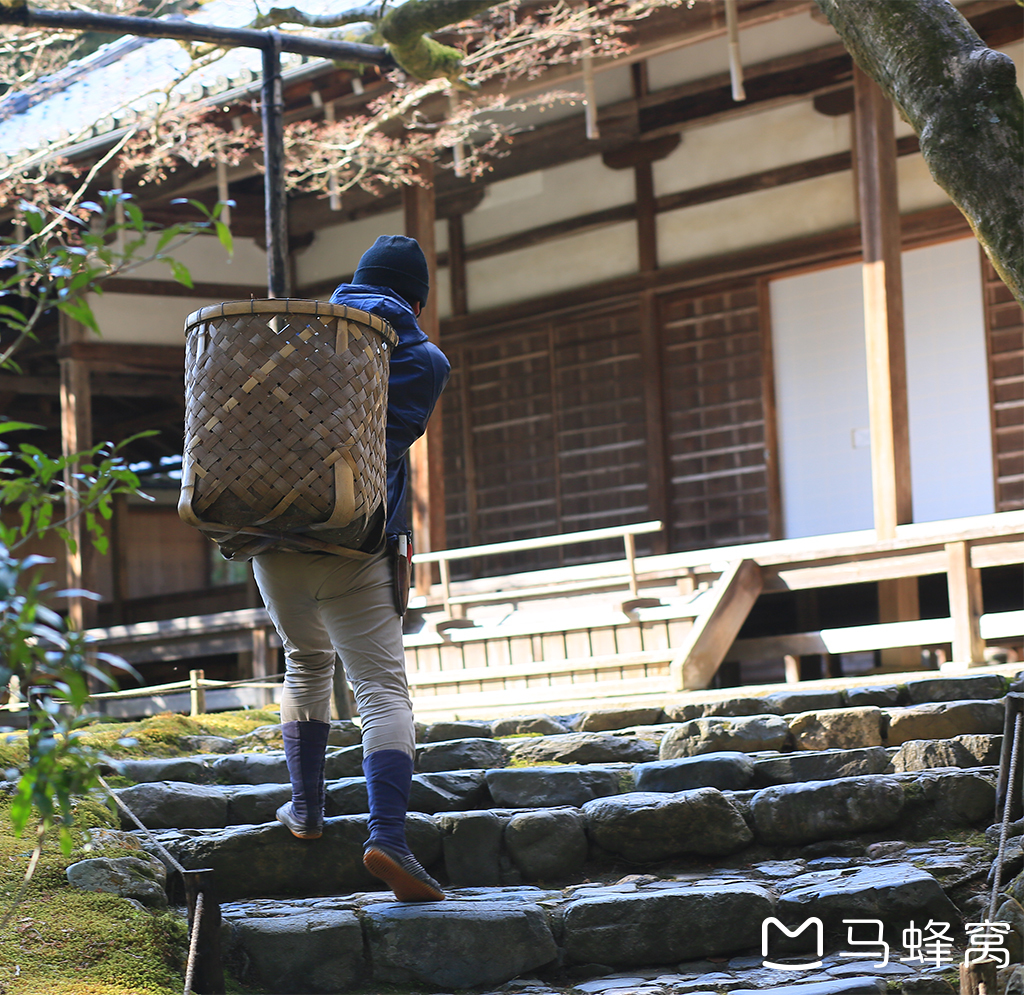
(665, 926)
(541, 787)
(296, 949)
(455, 944)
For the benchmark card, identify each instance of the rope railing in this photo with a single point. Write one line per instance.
(204, 960)
(193, 944)
(1004, 826)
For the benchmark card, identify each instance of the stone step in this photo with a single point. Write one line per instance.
(668, 927)
(164, 801)
(641, 841)
(507, 846)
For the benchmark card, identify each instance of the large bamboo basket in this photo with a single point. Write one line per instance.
(285, 410)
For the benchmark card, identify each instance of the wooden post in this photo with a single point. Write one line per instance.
(883, 307)
(457, 264)
(119, 555)
(885, 346)
(76, 435)
(979, 978)
(643, 184)
(261, 663)
(965, 604)
(208, 974)
(197, 693)
(791, 664)
(426, 457)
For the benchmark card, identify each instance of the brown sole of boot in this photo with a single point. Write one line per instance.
(406, 887)
(304, 836)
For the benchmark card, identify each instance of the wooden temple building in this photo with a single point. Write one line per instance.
(664, 322)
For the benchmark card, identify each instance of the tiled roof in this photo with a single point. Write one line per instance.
(109, 88)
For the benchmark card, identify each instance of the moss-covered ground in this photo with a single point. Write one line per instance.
(63, 941)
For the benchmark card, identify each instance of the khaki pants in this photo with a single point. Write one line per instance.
(322, 604)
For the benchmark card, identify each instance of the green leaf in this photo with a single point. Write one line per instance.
(133, 212)
(79, 310)
(224, 234)
(181, 273)
(17, 426)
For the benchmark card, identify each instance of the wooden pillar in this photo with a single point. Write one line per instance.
(658, 473)
(885, 346)
(119, 555)
(262, 666)
(643, 182)
(457, 264)
(76, 435)
(965, 604)
(883, 308)
(426, 458)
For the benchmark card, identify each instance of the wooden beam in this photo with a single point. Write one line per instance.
(965, 604)
(122, 357)
(658, 474)
(101, 386)
(752, 183)
(771, 430)
(426, 457)
(715, 628)
(217, 292)
(76, 435)
(825, 249)
(457, 265)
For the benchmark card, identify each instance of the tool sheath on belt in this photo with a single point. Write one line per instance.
(400, 548)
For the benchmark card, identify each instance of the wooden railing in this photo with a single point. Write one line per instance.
(445, 557)
(486, 661)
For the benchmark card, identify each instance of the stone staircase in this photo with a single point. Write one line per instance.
(626, 851)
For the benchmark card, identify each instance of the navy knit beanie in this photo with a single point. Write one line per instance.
(397, 262)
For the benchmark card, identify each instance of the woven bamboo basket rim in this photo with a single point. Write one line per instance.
(293, 305)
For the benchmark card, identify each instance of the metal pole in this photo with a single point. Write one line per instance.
(158, 27)
(274, 199)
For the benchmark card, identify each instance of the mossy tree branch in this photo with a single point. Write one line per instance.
(962, 100)
(369, 12)
(405, 30)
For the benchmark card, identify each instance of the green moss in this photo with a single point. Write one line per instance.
(167, 734)
(523, 762)
(69, 942)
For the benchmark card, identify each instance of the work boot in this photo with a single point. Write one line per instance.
(305, 745)
(387, 855)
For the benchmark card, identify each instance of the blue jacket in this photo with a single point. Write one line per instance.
(419, 372)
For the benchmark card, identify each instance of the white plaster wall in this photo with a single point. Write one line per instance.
(335, 251)
(548, 195)
(916, 188)
(553, 266)
(442, 291)
(209, 262)
(947, 382)
(757, 44)
(749, 144)
(760, 218)
(144, 319)
(822, 403)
